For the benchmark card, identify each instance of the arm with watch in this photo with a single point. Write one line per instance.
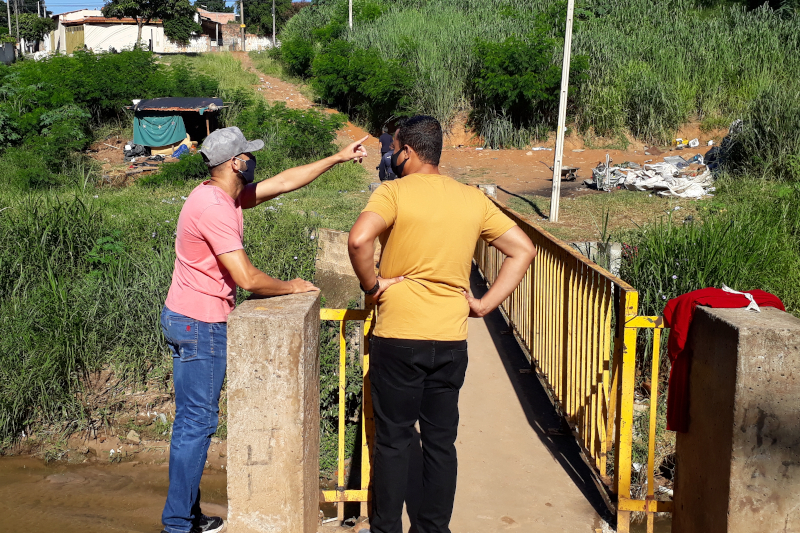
(361, 246)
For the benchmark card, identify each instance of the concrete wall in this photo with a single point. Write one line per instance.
(7, 53)
(232, 37)
(738, 467)
(273, 415)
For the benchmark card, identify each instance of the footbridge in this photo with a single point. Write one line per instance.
(558, 378)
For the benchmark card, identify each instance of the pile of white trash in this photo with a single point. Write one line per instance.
(675, 176)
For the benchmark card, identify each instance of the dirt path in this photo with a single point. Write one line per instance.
(277, 90)
(513, 472)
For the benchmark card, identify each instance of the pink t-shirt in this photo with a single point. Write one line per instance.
(210, 224)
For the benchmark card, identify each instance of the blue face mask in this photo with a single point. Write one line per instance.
(249, 173)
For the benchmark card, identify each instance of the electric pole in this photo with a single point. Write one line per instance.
(8, 8)
(562, 116)
(16, 9)
(350, 5)
(241, 12)
(274, 41)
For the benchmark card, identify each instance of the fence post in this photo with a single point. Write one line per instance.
(273, 415)
(629, 307)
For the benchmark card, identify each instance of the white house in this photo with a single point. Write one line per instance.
(90, 29)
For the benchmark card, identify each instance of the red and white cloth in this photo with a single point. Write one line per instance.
(678, 317)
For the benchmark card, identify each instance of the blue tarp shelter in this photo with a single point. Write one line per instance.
(160, 121)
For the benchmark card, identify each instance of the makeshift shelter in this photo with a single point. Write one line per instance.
(161, 123)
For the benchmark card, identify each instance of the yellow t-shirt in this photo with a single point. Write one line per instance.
(433, 224)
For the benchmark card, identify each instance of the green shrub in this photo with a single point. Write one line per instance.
(360, 82)
(516, 87)
(291, 136)
(188, 167)
(297, 55)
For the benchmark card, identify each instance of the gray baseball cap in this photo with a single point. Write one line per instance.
(225, 143)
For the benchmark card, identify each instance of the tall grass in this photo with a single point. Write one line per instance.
(653, 65)
(668, 258)
(84, 270)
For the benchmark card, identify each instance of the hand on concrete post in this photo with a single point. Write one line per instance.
(299, 285)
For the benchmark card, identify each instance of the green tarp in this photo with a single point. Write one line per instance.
(157, 129)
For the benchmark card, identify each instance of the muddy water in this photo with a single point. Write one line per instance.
(92, 497)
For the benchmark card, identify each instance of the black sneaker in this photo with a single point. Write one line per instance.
(208, 524)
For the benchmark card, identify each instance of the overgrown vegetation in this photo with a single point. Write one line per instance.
(647, 71)
(47, 108)
(85, 268)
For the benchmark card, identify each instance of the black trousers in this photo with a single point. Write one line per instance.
(415, 380)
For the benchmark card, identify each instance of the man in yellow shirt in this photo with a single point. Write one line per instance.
(428, 225)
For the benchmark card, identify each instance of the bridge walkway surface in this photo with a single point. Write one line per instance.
(517, 468)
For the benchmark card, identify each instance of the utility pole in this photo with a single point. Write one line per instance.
(274, 41)
(8, 8)
(16, 9)
(350, 5)
(562, 116)
(241, 12)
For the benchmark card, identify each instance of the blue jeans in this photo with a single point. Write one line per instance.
(199, 358)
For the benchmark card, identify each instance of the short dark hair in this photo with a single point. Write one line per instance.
(424, 135)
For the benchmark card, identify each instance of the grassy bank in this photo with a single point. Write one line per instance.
(86, 267)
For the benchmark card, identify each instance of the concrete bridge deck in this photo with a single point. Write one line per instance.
(513, 473)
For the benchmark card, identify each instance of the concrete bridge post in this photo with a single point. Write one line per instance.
(273, 415)
(738, 467)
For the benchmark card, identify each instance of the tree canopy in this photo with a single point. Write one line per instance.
(258, 14)
(177, 16)
(215, 6)
(33, 28)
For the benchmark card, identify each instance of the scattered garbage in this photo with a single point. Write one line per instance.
(134, 150)
(540, 149)
(674, 177)
(676, 161)
(182, 149)
(694, 143)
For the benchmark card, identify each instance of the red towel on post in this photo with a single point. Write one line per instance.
(678, 317)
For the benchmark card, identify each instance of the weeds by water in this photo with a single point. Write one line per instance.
(84, 269)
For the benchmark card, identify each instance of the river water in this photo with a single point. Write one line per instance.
(92, 497)
(100, 497)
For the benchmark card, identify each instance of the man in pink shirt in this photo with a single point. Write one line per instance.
(210, 263)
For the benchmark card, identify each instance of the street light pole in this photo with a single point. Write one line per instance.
(562, 116)
(241, 12)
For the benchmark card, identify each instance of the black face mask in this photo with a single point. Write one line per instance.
(249, 173)
(398, 169)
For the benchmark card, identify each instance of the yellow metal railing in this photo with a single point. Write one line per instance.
(623, 460)
(562, 313)
(341, 495)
